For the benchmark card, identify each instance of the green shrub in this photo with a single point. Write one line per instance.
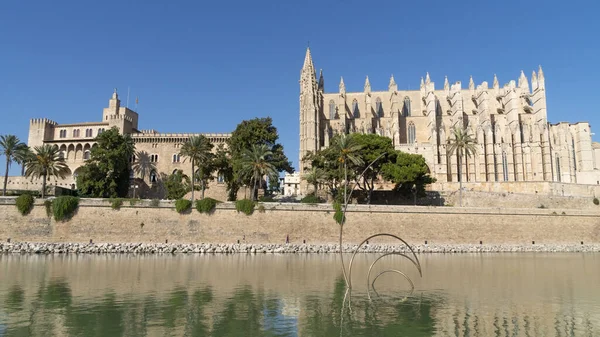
(25, 203)
(154, 203)
(261, 208)
(338, 216)
(132, 202)
(48, 205)
(245, 206)
(310, 199)
(206, 205)
(64, 207)
(183, 205)
(116, 203)
(266, 198)
(596, 201)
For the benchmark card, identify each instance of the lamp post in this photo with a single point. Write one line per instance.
(414, 192)
(134, 187)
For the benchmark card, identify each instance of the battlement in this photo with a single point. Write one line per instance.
(42, 121)
(147, 133)
(121, 117)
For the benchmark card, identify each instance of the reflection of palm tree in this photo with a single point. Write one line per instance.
(46, 161)
(143, 165)
(462, 144)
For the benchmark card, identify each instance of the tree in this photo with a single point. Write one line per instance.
(177, 185)
(345, 149)
(204, 173)
(463, 143)
(223, 164)
(45, 162)
(375, 152)
(315, 176)
(10, 145)
(106, 173)
(255, 164)
(143, 164)
(406, 171)
(197, 150)
(257, 131)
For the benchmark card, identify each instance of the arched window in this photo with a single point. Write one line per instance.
(174, 158)
(86, 155)
(406, 107)
(558, 177)
(378, 107)
(355, 111)
(504, 166)
(220, 178)
(331, 109)
(61, 154)
(153, 177)
(438, 107)
(412, 133)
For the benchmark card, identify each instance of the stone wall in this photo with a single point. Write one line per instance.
(96, 221)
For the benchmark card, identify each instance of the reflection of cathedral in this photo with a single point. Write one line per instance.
(515, 140)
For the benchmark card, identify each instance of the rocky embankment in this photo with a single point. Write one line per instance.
(207, 248)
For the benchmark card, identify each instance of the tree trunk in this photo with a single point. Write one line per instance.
(43, 186)
(193, 181)
(460, 180)
(5, 177)
(370, 191)
(203, 187)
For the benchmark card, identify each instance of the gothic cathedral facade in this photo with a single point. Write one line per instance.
(515, 141)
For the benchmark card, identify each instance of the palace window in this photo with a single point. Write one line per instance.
(132, 158)
(355, 111)
(412, 133)
(176, 158)
(154, 158)
(153, 177)
(406, 107)
(220, 178)
(63, 133)
(100, 131)
(88, 133)
(86, 155)
(331, 109)
(75, 133)
(378, 107)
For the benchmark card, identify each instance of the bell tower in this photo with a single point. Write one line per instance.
(309, 109)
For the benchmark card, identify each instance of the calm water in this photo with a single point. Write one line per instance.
(298, 295)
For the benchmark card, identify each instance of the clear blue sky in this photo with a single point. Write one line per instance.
(203, 66)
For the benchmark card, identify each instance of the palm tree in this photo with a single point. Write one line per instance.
(22, 157)
(197, 149)
(346, 150)
(463, 143)
(255, 164)
(143, 165)
(46, 161)
(314, 177)
(9, 147)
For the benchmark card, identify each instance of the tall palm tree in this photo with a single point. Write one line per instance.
(255, 164)
(143, 165)
(196, 149)
(463, 144)
(314, 177)
(46, 161)
(9, 147)
(23, 156)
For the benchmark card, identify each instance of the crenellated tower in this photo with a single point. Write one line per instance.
(310, 106)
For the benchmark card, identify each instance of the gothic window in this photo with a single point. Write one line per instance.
(378, 107)
(63, 133)
(100, 131)
(176, 158)
(86, 155)
(438, 107)
(355, 112)
(75, 133)
(574, 154)
(504, 166)
(558, 169)
(153, 177)
(412, 133)
(406, 107)
(220, 178)
(331, 109)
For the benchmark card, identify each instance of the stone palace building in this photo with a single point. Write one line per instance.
(158, 153)
(517, 148)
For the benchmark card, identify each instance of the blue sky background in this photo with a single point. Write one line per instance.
(203, 66)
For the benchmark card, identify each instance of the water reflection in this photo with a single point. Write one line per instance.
(295, 296)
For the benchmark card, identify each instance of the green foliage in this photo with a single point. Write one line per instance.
(261, 208)
(223, 164)
(10, 148)
(154, 203)
(255, 164)
(48, 206)
(64, 207)
(133, 202)
(596, 201)
(116, 203)
(245, 206)
(310, 199)
(25, 203)
(106, 173)
(206, 205)
(266, 198)
(338, 216)
(177, 185)
(46, 162)
(198, 151)
(183, 205)
(406, 171)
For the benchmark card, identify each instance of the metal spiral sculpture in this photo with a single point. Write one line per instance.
(412, 257)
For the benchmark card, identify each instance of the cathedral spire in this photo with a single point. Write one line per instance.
(392, 86)
(308, 63)
(523, 84)
(422, 83)
(321, 81)
(427, 79)
(367, 85)
(534, 81)
(541, 80)
(446, 84)
(471, 83)
(342, 86)
(496, 85)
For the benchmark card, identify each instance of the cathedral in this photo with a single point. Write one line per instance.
(515, 141)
